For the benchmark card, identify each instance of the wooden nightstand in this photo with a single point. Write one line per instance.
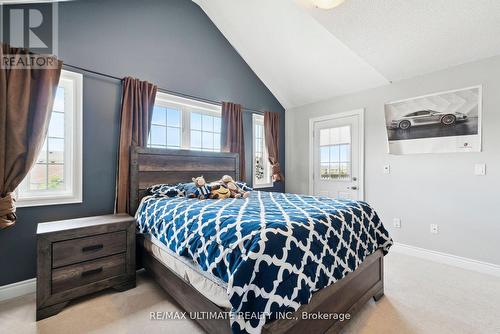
(80, 256)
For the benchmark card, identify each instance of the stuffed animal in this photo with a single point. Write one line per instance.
(235, 190)
(218, 191)
(202, 189)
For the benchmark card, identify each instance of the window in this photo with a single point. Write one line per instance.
(205, 132)
(335, 153)
(56, 177)
(165, 128)
(184, 123)
(262, 173)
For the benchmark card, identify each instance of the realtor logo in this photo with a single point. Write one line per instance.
(32, 26)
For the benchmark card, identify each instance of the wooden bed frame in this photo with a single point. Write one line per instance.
(153, 166)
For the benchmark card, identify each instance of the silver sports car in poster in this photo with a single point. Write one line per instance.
(425, 117)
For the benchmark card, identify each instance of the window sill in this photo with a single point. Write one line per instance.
(263, 185)
(33, 202)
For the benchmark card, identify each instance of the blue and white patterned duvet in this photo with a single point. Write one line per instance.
(273, 250)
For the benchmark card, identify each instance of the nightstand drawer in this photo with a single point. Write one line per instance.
(87, 272)
(88, 248)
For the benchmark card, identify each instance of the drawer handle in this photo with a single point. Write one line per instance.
(92, 248)
(91, 272)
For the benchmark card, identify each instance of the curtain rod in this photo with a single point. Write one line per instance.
(201, 99)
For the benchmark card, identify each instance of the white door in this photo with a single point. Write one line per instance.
(337, 164)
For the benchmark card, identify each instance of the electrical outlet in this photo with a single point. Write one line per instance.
(396, 222)
(480, 169)
(387, 169)
(434, 229)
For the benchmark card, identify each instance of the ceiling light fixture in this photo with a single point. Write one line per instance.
(327, 4)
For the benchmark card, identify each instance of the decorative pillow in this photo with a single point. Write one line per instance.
(192, 191)
(166, 190)
(188, 189)
(243, 186)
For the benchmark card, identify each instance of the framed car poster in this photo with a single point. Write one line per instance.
(437, 123)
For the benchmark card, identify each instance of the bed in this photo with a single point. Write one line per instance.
(270, 255)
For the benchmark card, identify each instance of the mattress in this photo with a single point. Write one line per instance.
(208, 285)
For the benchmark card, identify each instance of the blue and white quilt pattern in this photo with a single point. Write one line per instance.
(273, 250)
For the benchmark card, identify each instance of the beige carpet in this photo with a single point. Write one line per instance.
(420, 297)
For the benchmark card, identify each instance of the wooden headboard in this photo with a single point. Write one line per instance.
(149, 166)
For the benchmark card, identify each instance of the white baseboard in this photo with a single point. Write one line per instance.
(17, 289)
(449, 259)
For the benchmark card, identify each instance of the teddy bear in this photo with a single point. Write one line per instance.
(218, 191)
(202, 189)
(235, 191)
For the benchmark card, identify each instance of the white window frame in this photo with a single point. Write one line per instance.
(186, 106)
(72, 82)
(259, 120)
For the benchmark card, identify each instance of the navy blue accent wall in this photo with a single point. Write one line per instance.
(170, 43)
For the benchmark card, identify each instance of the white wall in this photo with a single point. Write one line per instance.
(422, 189)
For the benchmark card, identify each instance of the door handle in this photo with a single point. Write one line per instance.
(354, 188)
(92, 248)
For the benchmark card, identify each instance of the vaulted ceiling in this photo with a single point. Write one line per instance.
(304, 54)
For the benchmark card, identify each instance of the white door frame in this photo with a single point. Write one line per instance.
(356, 112)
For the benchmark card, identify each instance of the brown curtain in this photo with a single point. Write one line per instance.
(26, 101)
(138, 100)
(272, 132)
(232, 138)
